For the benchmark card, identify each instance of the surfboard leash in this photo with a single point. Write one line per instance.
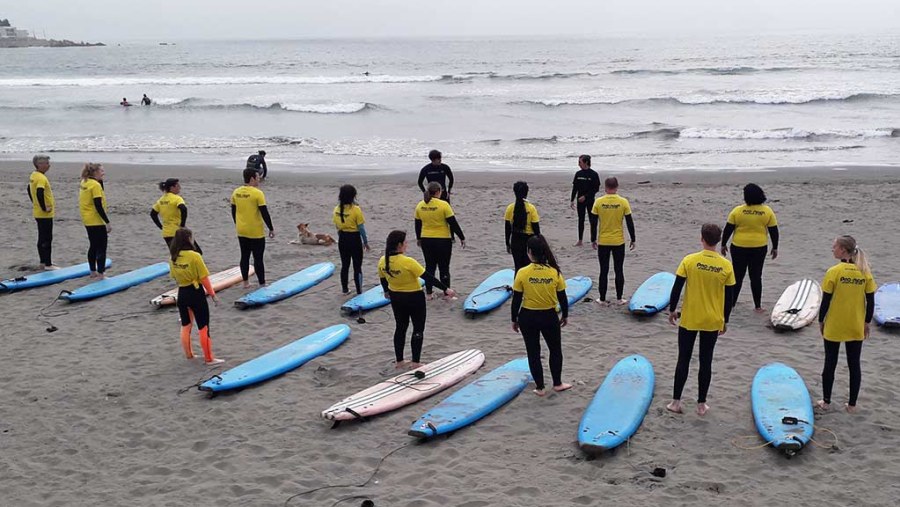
(43, 314)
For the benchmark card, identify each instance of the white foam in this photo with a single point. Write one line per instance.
(215, 80)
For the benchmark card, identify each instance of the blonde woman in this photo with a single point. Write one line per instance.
(92, 204)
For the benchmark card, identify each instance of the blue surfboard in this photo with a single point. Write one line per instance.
(577, 287)
(116, 283)
(493, 292)
(369, 300)
(278, 361)
(47, 277)
(287, 286)
(782, 408)
(887, 305)
(619, 406)
(653, 295)
(475, 400)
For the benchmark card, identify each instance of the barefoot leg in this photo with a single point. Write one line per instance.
(702, 409)
(674, 406)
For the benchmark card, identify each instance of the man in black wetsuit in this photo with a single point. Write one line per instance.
(258, 162)
(584, 191)
(146, 100)
(439, 172)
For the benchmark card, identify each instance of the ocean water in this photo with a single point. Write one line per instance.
(646, 104)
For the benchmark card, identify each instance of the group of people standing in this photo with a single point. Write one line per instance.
(711, 284)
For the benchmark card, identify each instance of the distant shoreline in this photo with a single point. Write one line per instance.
(46, 43)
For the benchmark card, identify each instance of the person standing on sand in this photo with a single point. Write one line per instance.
(610, 210)
(848, 303)
(584, 189)
(258, 163)
(435, 224)
(538, 289)
(352, 238)
(92, 205)
(439, 172)
(399, 277)
(709, 278)
(750, 223)
(521, 222)
(43, 208)
(173, 210)
(249, 211)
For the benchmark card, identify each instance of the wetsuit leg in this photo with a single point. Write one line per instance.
(245, 257)
(854, 352)
(588, 205)
(553, 337)
(429, 251)
(582, 210)
(351, 248)
(185, 314)
(740, 260)
(832, 349)
(357, 269)
(618, 255)
(400, 306)
(258, 246)
(518, 244)
(45, 239)
(97, 238)
(603, 253)
(755, 262)
(529, 326)
(344, 250)
(686, 340)
(418, 313)
(445, 252)
(707, 346)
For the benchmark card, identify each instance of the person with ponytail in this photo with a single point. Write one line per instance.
(537, 291)
(521, 223)
(399, 276)
(848, 304)
(435, 225)
(610, 210)
(352, 239)
(172, 209)
(92, 205)
(186, 266)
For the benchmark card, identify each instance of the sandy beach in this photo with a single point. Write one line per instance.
(92, 414)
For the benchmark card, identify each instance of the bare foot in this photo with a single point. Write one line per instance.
(702, 409)
(400, 364)
(851, 408)
(215, 361)
(414, 365)
(50, 267)
(264, 284)
(674, 406)
(621, 302)
(602, 302)
(579, 243)
(759, 310)
(101, 276)
(821, 405)
(562, 387)
(246, 284)
(539, 392)
(93, 274)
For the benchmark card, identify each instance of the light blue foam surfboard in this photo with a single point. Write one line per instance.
(475, 400)
(47, 277)
(116, 283)
(653, 295)
(278, 361)
(491, 293)
(577, 287)
(618, 407)
(287, 286)
(782, 408)
(887, 305)
(369, 300)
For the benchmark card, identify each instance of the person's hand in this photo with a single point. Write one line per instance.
(387, 294)
(108, 228)
(366, 246)
(724, 329)
(272, 234)
(673, 318)
(450, 293)
(215, 299)
(594, 245)
(774, 254)
(631, 246)
(508, 249)
(572, 204)
(563, 322)
(866, 331)
(462, 243)
(581, 199)
(419, 243)
(724, 250)
(515, 326)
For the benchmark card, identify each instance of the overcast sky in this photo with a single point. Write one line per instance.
(105, 20)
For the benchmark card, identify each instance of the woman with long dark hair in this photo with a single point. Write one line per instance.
(186, 266)
(521, 223)
(538, 289)
(435, 225)
(92, 205)
(170, 211)
(399, 276)
(352, 239)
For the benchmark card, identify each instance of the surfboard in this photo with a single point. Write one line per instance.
(491, 293)
(280, 360)
(782, 408)
(369, 300)
(116, 283)
(43, 278)
(577, 287)
(219, 281)
(287, 287)
(618, 407)
(887, 305)
(653, 295)
(474, 401)
(407, 387)
(797, 306)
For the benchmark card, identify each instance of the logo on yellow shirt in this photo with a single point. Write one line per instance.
(536, 280)
(706, 267)
(753, 212)
(853, 281)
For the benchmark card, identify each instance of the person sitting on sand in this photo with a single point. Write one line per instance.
(709, 278)
(538, 289)
(610, 210)
(125, 102)
(848, 303)
(146, 100)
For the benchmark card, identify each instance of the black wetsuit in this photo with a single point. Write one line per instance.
(258, 162)
(410, 306)
(749, 259)
(253, 246)
(533, 324)
(585, 184)
(853, 349)
(439, 173)
(437, 252)
(146, 101)
(98, 239)
(45, 228)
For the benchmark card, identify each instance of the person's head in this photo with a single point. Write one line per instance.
(539, 252)
(183, 240)
(262, 153)
(170, 185)
(347, 195)
(394, 244)
(710, 235)
(434, 156)
(124, 99)
(41, 163)
(611, 185)
(584, 161)
(846, 248)
(251, 177)
(92, 171)
(753, 194)
(520, 214)
(145, 95)
(433, 190)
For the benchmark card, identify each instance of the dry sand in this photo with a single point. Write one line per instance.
(91, 414)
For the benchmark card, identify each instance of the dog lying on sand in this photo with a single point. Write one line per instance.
(305, 237)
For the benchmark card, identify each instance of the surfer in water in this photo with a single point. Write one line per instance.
(709, 279)
(610, 210)
(125, 102)
(538, 289)
(752, 223)
(249, 212)
(172, 210)
(352, 238)
(187, 268)
(399, 277)
(848, 304)
(585, 186)
(146, 100)
(92, 205)
(435, 224)
(521, 222)
(43, 208)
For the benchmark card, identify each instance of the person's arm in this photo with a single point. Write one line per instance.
(418, 229)
(264, 211)
(536, 227)
(384, 285)
(449, 178)
(773, 233)
(422, 178)
(183, 208)
(208, 286)
(870, 306)
(726, 233)
(507, 232)
(40, 199)
(363, 235)
(154, 215)
(234, 213)
(98, 205)
(516, 304)
(563, 303)
(596, 187)
(455, 228)
(265, 168)
(729, 301)
(28, 189)
(574, 188)
(675, 295)
(629, 222)
(429, 278)
(826, 302)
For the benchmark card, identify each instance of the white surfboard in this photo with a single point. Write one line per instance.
(798, 305)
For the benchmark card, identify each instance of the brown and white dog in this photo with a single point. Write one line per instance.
(305, 237)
